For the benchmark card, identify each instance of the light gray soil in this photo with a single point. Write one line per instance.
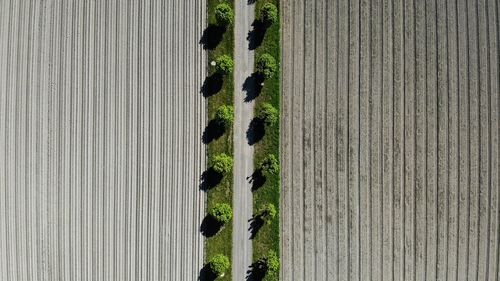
(389, 140)
(243, 152)
(100, 140)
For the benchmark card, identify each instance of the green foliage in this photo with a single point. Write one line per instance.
(267, 212)
(224, 14)
(219, 264)
(271, 264)
(224, 65)
(269, 14)
(222, 212)
(222, 163)
(270, 165)
(266, 66)
(268, 114)
(225, 115)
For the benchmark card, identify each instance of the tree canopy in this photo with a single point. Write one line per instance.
(266, 66)
(222, 212)
(268, 113)
(270, 165)
(224, 14)
(224, 65)
(269, 14)
(225, 115)
(219, 264)
(267, 212)
(222, 163)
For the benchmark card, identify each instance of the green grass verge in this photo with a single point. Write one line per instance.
(223, 192)
(268, 236)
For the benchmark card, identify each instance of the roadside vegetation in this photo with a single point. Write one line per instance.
(266, 196)
(218, 40)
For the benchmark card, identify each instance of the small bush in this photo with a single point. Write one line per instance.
(224, 14)
(270, 165)
(219, 264)
(222, 163)
(269, 14)
(267, 212)
(225, 115)
(222, 212)
(268, 114)
(266, 66)
(224, 65)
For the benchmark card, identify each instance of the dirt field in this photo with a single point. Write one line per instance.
(390, 142)
(100, 140)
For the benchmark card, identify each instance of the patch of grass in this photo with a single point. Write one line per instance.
(268, 237)
(222, 192)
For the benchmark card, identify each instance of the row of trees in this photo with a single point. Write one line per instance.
(223, 163)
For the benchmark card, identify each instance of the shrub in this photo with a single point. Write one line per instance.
(219, 264)
(267, 212)
(271, 264)
(225, 115)
(222, 212)
(268, 114)
(224, 14)
(224, 65)
(270, 165)
(269, 14)
(222, 163)
(266, 66)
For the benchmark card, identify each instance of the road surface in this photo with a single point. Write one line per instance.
(243, 152)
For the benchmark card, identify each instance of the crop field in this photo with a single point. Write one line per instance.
(101, 152)
(389, 140)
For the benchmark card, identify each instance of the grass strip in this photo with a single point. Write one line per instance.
(222, 192)
(268, 236)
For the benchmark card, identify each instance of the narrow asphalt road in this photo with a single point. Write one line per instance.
(243, 152)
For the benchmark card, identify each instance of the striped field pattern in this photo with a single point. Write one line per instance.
(101, 119)
(390, 148)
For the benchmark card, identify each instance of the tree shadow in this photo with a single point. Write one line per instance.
(210, 226)
(250, 2)
(212, 36)
(252, 86)
(256, 223)
(256, 35)
(257, 179)
(257, 271)
(213, 131)
(206, 274)
(256, 131)
(209, 179)
(212, 85)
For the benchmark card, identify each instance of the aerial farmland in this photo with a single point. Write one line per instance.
(389, 140)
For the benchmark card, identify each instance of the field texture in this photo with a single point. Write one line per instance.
(101, 121)
(389, 140)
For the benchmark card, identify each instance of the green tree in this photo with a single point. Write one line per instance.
(267, 212)
(266, 66)
(269, 14)
(224, 14)
(225, 115)
(222, 163)
(271, 264)
(270, 165)
(224, 65)
(268, 113)
(222, 212)
(219, 264)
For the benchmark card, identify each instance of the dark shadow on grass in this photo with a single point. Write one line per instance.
(213, 131)
(212, 36)
(209, 179)
(256, 131)
(256, 223)
(252, 86)
(257, 271)
(210, 226)
(212, 85)
(256, 35)
(257, 179)
(206, 274)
